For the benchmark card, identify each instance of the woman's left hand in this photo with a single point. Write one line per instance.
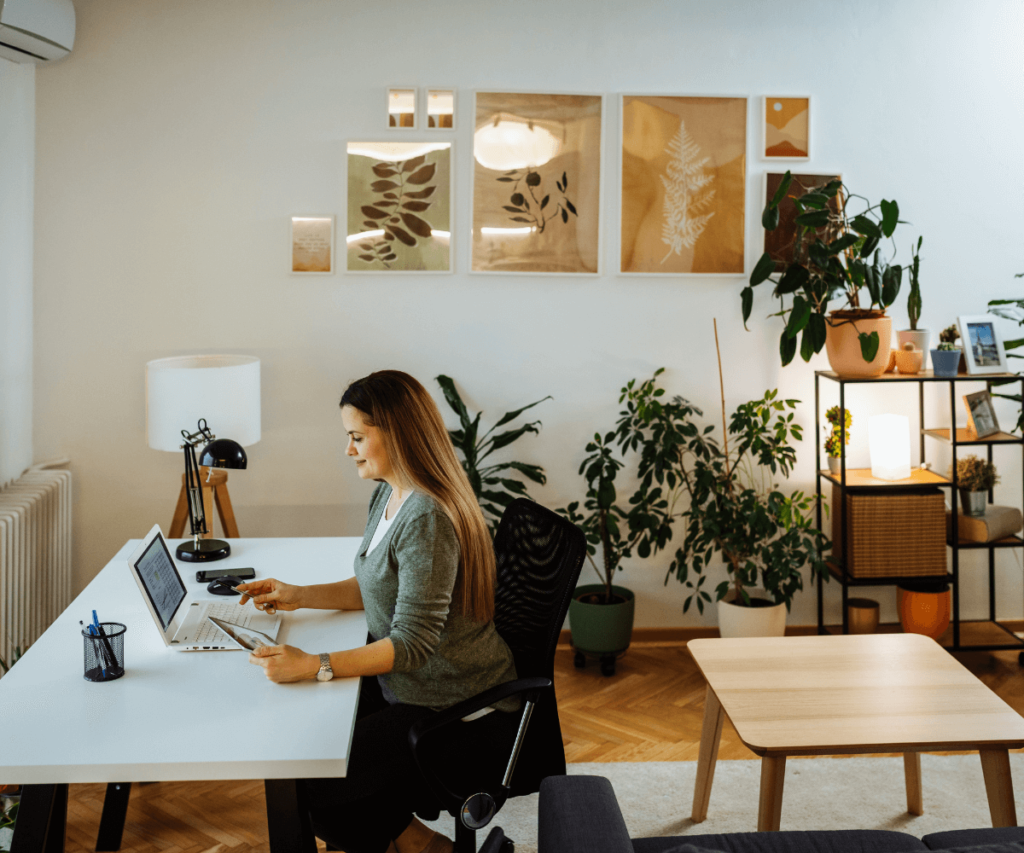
(284, 664)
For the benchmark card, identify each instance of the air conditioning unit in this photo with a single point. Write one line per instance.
(36, 30)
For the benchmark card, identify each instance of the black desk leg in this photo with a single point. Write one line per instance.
(42, 819)
(288, 824)
(115, 807)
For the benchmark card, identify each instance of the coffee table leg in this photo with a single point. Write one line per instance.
(710, 736)
(995, 765)
(769, 809)
(912, 772)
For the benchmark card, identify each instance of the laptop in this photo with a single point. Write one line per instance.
(182, 622)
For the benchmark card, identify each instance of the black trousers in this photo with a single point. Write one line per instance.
(375, 802)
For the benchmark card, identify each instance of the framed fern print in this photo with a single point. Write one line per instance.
(536, 183)
(683, 173)
(399, 207)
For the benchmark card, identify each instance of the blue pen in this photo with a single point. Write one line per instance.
(93, 632)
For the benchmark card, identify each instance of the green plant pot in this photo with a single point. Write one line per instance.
(601, 629)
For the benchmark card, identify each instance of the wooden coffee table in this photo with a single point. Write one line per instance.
(850, 694)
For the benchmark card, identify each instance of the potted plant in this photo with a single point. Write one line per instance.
(1010, 309)
(9, 801)
(835, 254)
(974, 477)
(919, 337)
(834, 444)
(946, 359)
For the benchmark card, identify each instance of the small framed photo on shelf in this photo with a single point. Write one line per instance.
(983, 348)
(440, 109)
(981, 416)
(787, 128)
(313, 245)
(402, 107)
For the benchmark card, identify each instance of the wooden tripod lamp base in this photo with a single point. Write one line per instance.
(214, 483)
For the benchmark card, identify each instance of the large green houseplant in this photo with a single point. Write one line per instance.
(836, 255)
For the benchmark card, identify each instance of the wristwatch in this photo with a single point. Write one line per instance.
(325, 673)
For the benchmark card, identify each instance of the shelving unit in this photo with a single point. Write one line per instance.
(982, 635)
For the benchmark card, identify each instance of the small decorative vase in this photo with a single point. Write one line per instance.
(924, 607)
(862, 615)
(835, 465)
(973, 503)
(735, 620)
(909, 362)
(919, 337)
(945, 362)
(842, 344)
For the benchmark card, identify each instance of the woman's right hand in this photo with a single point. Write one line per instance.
(271, 595)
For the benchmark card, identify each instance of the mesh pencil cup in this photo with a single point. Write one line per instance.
(104, 655)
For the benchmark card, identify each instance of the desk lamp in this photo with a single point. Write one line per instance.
(220, 389)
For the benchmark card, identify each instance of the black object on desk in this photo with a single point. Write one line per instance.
(104, 652)
(222, 586)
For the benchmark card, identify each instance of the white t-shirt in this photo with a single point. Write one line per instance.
(384, 523)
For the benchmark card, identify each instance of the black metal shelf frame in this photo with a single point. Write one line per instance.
(953, 576)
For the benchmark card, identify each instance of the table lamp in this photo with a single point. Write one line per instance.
(208, 391)
(889, 444)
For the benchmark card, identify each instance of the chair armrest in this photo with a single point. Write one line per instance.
(579, 814)
(476, 703)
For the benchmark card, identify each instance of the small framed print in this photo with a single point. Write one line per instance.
(313, 245)
(981, 416)
(402, 107)
(787, 128)
(440, 109)
(983, 348)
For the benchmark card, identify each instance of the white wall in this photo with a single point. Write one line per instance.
(17, 166)
(178, 138)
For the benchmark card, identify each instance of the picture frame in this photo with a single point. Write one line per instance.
(982, 345)
(981, 415)
(401, 107)
(682, 185)
(399, 206)
(786, 127)
(439, 108)
(779, 243)
(312, 245)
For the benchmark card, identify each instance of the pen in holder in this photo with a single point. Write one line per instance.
(104, 651)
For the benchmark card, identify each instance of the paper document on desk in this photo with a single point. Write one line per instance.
(247, 638)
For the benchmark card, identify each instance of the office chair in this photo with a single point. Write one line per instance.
(539, 557)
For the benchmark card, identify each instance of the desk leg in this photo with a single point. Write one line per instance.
(710, 737)
(288, 824)
(995, 765)
(769, 809)
(912, 772)
(115, 807)
(42, 819)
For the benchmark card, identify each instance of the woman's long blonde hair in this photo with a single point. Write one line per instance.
(421, 453)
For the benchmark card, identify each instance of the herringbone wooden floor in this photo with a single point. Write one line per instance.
(650, 710)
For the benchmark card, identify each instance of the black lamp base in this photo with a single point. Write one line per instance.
(206, 551)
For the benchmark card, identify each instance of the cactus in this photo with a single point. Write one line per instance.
(914, 298)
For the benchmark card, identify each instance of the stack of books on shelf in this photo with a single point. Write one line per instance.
(998, 522)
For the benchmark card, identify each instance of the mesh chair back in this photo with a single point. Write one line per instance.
(539, 556)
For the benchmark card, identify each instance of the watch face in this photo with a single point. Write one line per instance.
(324, 674)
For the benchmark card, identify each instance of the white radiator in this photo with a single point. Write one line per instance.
(35, 555)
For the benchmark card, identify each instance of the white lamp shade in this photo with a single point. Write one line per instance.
(889, 444)
(224, 389)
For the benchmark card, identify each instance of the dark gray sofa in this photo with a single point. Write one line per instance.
(579, 814)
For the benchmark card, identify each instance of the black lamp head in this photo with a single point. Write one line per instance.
(223, 453)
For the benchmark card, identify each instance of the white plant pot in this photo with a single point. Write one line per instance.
(736, 621)
(920, 339)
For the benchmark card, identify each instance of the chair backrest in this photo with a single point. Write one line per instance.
(539, 558)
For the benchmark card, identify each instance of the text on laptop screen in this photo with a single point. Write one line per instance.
(161, 580)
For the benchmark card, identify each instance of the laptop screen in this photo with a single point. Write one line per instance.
(161, 580)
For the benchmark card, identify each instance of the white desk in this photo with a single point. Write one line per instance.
(155, 723)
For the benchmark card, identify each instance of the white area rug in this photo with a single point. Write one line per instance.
(820, 793)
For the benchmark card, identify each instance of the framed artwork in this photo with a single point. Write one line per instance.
(981, 416)
(440, 109)
(683, 168)
(536, 183)
(399, 207)
(781, 242)
(313, 245)
(402, 107)
(983, 348)
(787, 128)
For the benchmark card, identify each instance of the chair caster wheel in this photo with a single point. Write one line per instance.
(579, 660)
(608, 665)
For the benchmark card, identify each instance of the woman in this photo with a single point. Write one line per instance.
(424, 574)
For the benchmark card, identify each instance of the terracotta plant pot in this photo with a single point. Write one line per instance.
(924, 607)
(843, 345)
(737, 621)
(909, 362)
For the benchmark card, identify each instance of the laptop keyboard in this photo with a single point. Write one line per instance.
(210, 634)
